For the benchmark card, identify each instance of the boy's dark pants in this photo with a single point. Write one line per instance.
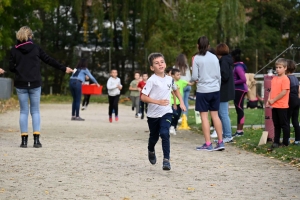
(86, 100)
(143, 106)
(113, 104)
(280, 121)
(160, 127)
(176, 116)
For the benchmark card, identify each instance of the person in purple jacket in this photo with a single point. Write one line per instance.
(241, 89)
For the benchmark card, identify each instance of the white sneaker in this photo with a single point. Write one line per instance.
(139, 114)
(211, 128)
(180, 120)
(228, 139)
(214, 134)
(83, 107)
(172, 130)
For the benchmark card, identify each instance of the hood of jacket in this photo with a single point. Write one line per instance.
(25, 47)
(227, 58)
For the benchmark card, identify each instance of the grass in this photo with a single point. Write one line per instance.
(251, 138)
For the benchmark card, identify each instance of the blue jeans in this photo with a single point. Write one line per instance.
(34, 96)
(160, 127)
(224, 117)
(186, 94)
(75, 87)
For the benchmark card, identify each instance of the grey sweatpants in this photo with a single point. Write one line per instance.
(136, 103)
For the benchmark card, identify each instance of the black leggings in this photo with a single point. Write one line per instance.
(113, 104)
(239, 106)
(280, 121)
(293, 113)
(86, 100)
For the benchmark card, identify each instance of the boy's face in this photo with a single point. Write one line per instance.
(145, 77)
(136, 76)
(114, 73)
(280, 69)
(176, 76)
(158, 65)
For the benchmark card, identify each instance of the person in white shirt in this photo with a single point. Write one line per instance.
(113, 87)
(157, 93)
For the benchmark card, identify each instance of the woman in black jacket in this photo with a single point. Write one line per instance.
(227, 89)
(25, 63)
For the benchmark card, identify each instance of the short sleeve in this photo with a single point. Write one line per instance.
(147, 88)
(131, 83)
(286, 84)
(174, 86)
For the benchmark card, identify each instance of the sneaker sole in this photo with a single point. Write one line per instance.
(204, 150)
(220, 149)
(166, 168)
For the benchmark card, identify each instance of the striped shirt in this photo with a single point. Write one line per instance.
(159, 88)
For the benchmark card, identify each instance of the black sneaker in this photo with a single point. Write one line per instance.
(132, 108)
(166, 164)
(275, 145)
(152, 157)
(238, 134)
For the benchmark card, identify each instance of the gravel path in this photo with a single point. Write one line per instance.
(98, 160)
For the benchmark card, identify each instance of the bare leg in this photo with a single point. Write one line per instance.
(217, 124)
(205, 126)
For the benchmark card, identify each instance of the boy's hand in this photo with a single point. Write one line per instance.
(182, 106)
(139, 89)
(174, 106)
(163, 102)
(270, 101)
(69, 70)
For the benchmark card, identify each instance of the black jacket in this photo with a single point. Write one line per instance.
(227, 81)
(25, 63)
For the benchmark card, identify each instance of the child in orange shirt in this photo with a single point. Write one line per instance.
(279, 101)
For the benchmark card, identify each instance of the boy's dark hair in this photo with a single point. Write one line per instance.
(168, 69)
(144, 73)
(82, 64)
(222, 49)
(174, 71)
(236, 55)
(212, 50)
(113, 70)
(203, 44)
(153, 56)
(291, 66)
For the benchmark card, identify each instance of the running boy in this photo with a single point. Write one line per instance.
(181, 84)
(157, 93)
(279, 101)
(142, 83)
(135, 94)
(113, 88)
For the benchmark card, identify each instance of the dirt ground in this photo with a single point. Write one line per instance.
(95, 159)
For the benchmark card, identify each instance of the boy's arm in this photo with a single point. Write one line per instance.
(299, 92)
(133, 88)
(279, 96)
(161, 102)
(177, 93)
(174, 98)
(191, 83)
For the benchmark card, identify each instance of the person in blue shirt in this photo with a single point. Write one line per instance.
(76, 80)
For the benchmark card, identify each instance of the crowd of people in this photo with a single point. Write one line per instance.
(220, 76)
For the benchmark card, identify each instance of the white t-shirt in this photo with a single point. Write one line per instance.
(159, 88)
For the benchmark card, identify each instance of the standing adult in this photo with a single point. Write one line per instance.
(75, 83)
(241, 89)
(185, 74)
(25, 63)
(227, 89)
(206, 72)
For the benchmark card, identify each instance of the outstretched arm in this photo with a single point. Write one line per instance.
(178, 95)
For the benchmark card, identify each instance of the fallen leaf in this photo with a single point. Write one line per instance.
(46, 192)
(190, 189)
(2, 190)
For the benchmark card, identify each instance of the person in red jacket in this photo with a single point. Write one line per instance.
(24, 61)
(141, 84)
